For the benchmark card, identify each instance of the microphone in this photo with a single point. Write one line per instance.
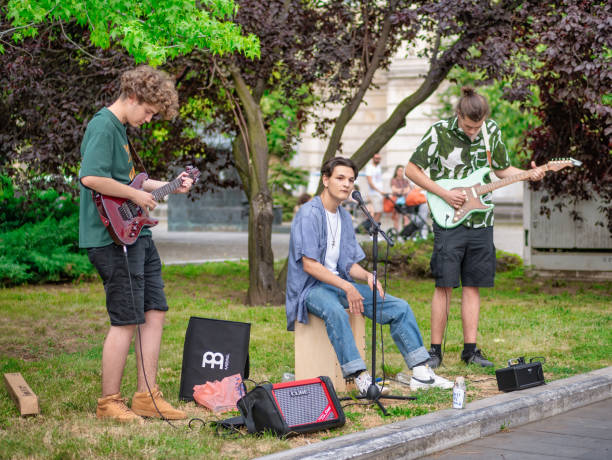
(357, 197)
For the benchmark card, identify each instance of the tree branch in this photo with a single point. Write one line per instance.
(4, 32)
(80, 48)
(349, 110)
(258, 146)
(377, 140)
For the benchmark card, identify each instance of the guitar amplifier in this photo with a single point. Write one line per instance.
(520, 375)
(302, 406)
(308, 405)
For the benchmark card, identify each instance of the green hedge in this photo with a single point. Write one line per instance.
(43, 252)
(411, 258)
(17, 209)
(39, 234)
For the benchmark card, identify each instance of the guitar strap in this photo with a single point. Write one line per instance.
(135, 156)
(485, 137)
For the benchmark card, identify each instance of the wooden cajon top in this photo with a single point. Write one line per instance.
(22, 394)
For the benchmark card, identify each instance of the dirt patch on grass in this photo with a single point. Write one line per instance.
(559, 286)
(41, 338)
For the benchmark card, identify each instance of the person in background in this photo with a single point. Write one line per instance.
(303, 198)
(373, 174)
(409, 197)
(400, 186)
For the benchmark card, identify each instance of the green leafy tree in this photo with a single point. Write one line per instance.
(282, 132)
(151, 32)
(54, 78)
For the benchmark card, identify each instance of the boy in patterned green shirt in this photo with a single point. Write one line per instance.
(464, 255)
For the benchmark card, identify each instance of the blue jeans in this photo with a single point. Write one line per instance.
(329, 303)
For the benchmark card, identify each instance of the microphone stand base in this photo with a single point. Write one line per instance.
(374, 395)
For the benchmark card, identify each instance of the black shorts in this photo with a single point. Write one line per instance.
(146, 280)
(463, 254)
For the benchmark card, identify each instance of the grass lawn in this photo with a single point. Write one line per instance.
(53, 335)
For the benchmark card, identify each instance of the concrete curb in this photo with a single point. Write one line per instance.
(441, 430)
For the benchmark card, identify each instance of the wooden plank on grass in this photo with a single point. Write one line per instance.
(22, 394)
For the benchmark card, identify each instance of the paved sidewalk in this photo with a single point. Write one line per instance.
(584, 433)
(435, 432)
(198, 247)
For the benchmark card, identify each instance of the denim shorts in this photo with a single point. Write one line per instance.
(463, 254)
(129, 296)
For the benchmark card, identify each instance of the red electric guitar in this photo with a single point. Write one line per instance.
(123, 218)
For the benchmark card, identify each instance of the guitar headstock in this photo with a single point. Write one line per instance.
(194, 173)
(559, 163)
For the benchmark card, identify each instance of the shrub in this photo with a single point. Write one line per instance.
(39, 234)
(34, 206)
(42, 252)
(507, 262)
(411, 258)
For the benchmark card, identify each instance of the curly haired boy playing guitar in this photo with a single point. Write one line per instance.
(135, 298)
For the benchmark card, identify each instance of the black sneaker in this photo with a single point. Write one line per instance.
(475, 358)
(434, 360)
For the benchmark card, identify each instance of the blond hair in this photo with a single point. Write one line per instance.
(151, 86)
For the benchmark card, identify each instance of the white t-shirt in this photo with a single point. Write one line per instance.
(334, 230)
(375, 172)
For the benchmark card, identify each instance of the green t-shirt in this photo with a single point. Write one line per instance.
(105, 153)
(450, 154)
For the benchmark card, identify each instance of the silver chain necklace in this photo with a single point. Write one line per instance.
(335, 234)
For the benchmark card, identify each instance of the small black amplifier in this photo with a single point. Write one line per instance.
(520, 375)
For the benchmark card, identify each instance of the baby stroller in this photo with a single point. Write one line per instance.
(417, 227)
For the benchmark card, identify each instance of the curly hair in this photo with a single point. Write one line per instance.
(153, 87)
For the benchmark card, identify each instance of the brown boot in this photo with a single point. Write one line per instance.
(142, 404)
(114, 407)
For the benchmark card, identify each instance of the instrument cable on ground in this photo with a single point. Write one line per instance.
(447, 307)
(139, 335)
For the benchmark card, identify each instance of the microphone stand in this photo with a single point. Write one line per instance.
(374, 394)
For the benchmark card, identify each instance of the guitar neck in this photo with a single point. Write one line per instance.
(170, 187)
(481, 190)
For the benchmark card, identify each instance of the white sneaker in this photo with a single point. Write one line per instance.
(363, 382)
(425, 377)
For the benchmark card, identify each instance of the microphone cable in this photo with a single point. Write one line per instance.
(138, 334)
(382, 340)
(447, 309)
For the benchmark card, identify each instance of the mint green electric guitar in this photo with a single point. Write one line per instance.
(473, 188)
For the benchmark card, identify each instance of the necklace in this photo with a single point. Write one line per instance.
(335, 233)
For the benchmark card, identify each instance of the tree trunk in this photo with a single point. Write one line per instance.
(263, 287)
(251, 154)
(397, 119)
(281, 279)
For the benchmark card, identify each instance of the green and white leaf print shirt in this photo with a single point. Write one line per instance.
(449, 153)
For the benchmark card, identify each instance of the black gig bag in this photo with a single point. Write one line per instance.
(213, 350)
